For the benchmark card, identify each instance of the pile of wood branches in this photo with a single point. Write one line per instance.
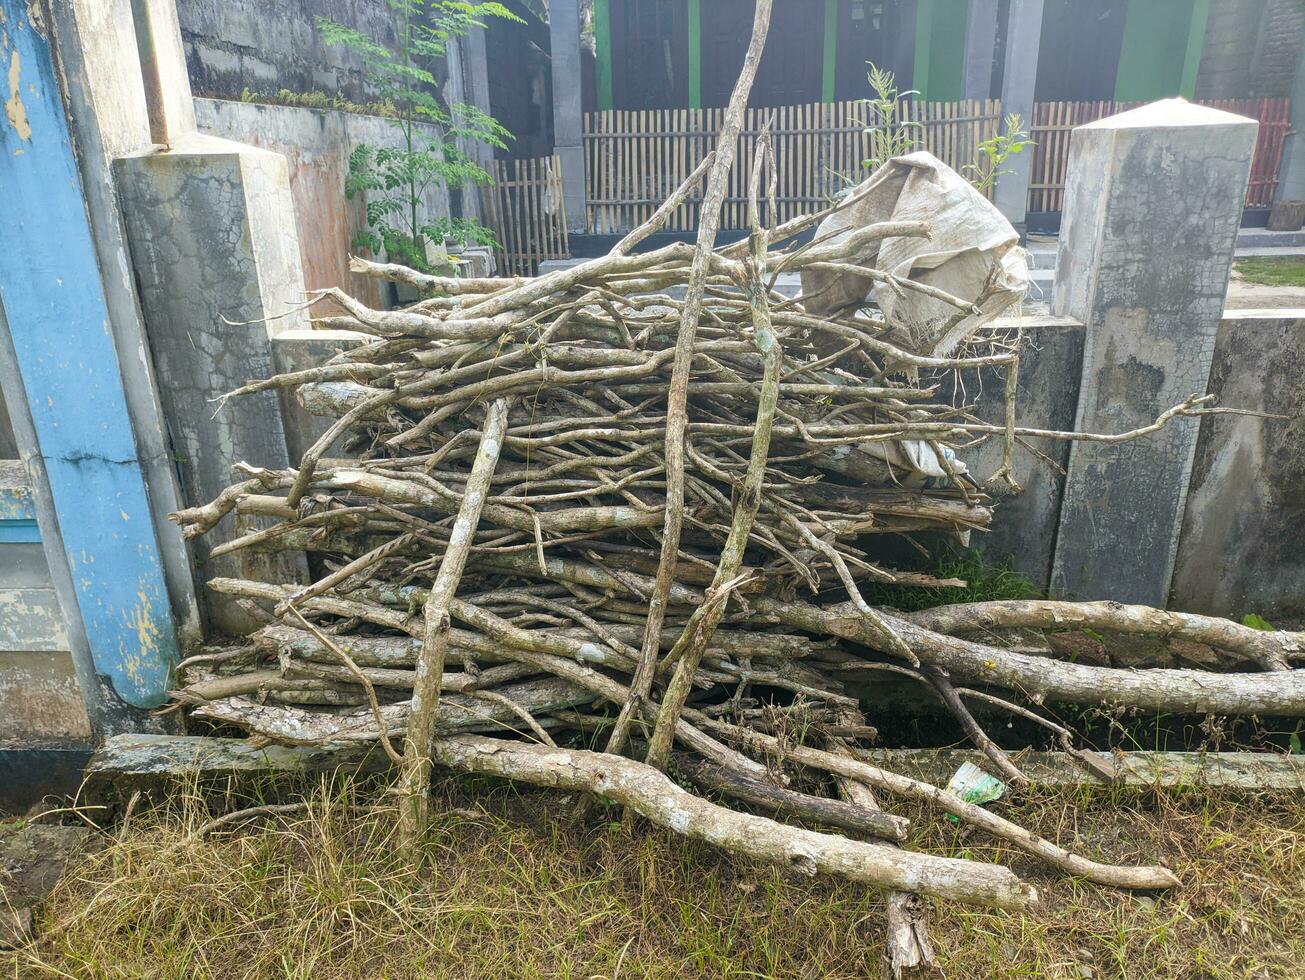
(576, 510)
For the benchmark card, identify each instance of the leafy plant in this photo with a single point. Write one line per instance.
(1257, 622)
(890, 135)
(984, 582)
(994, 152)
(396, 179)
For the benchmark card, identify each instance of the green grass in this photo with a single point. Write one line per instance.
(1271, 271)
(519, 888)
(984, 583)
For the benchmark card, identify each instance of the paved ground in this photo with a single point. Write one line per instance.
(1244, 295)
(1241, 295)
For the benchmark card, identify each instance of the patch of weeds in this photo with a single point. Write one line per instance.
(983, 583)
(1257, 622)
(517, 887)
(319, 100)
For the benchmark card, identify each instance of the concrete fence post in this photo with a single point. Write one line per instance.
(1153, 201)
(568, 109)
(980, 49)
(212, 231)
(1019, 76)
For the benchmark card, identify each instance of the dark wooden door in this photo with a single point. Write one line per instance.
(726, 27)
(1078, 57)
(793, 62)
(791, 66)
(878, 31)
(650, 48)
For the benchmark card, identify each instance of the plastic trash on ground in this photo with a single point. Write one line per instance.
(973, 785)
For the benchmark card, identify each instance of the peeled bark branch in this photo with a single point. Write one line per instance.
(1106, 874)
(678, 394)
(785, 802)
(414, 779)
(1269, 649)
(1178, 691)
(656, 798)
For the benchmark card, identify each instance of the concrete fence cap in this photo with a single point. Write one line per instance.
(1170, 114)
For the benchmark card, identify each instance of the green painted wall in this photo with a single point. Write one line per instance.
(829, 65)
(939, 49)
(695, 54)
(603, 52)
(1195, 45)
(1157, 49)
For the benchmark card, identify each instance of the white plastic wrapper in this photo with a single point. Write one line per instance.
(973, 250)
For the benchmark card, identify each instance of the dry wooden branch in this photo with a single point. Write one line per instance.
(763, 793)
(656, 798)
(677, 395)
(414, 781)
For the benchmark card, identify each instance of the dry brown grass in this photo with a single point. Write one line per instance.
(519, 889)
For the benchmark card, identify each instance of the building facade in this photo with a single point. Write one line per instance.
(660, 54)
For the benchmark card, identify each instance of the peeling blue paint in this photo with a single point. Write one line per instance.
(16, 505)
(19, 532)
(53, 300)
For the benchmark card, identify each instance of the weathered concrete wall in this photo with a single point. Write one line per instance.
(8, 446)
(1242, 547)
(1024, 528)
(1250, 49)
(236, 44)
(316, 145)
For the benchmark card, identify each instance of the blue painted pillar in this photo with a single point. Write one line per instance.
(54, 303)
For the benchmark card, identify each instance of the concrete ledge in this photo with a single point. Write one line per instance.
(152, 763)
(1216, 770)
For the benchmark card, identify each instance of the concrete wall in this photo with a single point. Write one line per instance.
(1024, 528)
(316, 144)
(264, 46)
(8, 446)
(1251, 48)
(40, 700)
(1242, 548)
